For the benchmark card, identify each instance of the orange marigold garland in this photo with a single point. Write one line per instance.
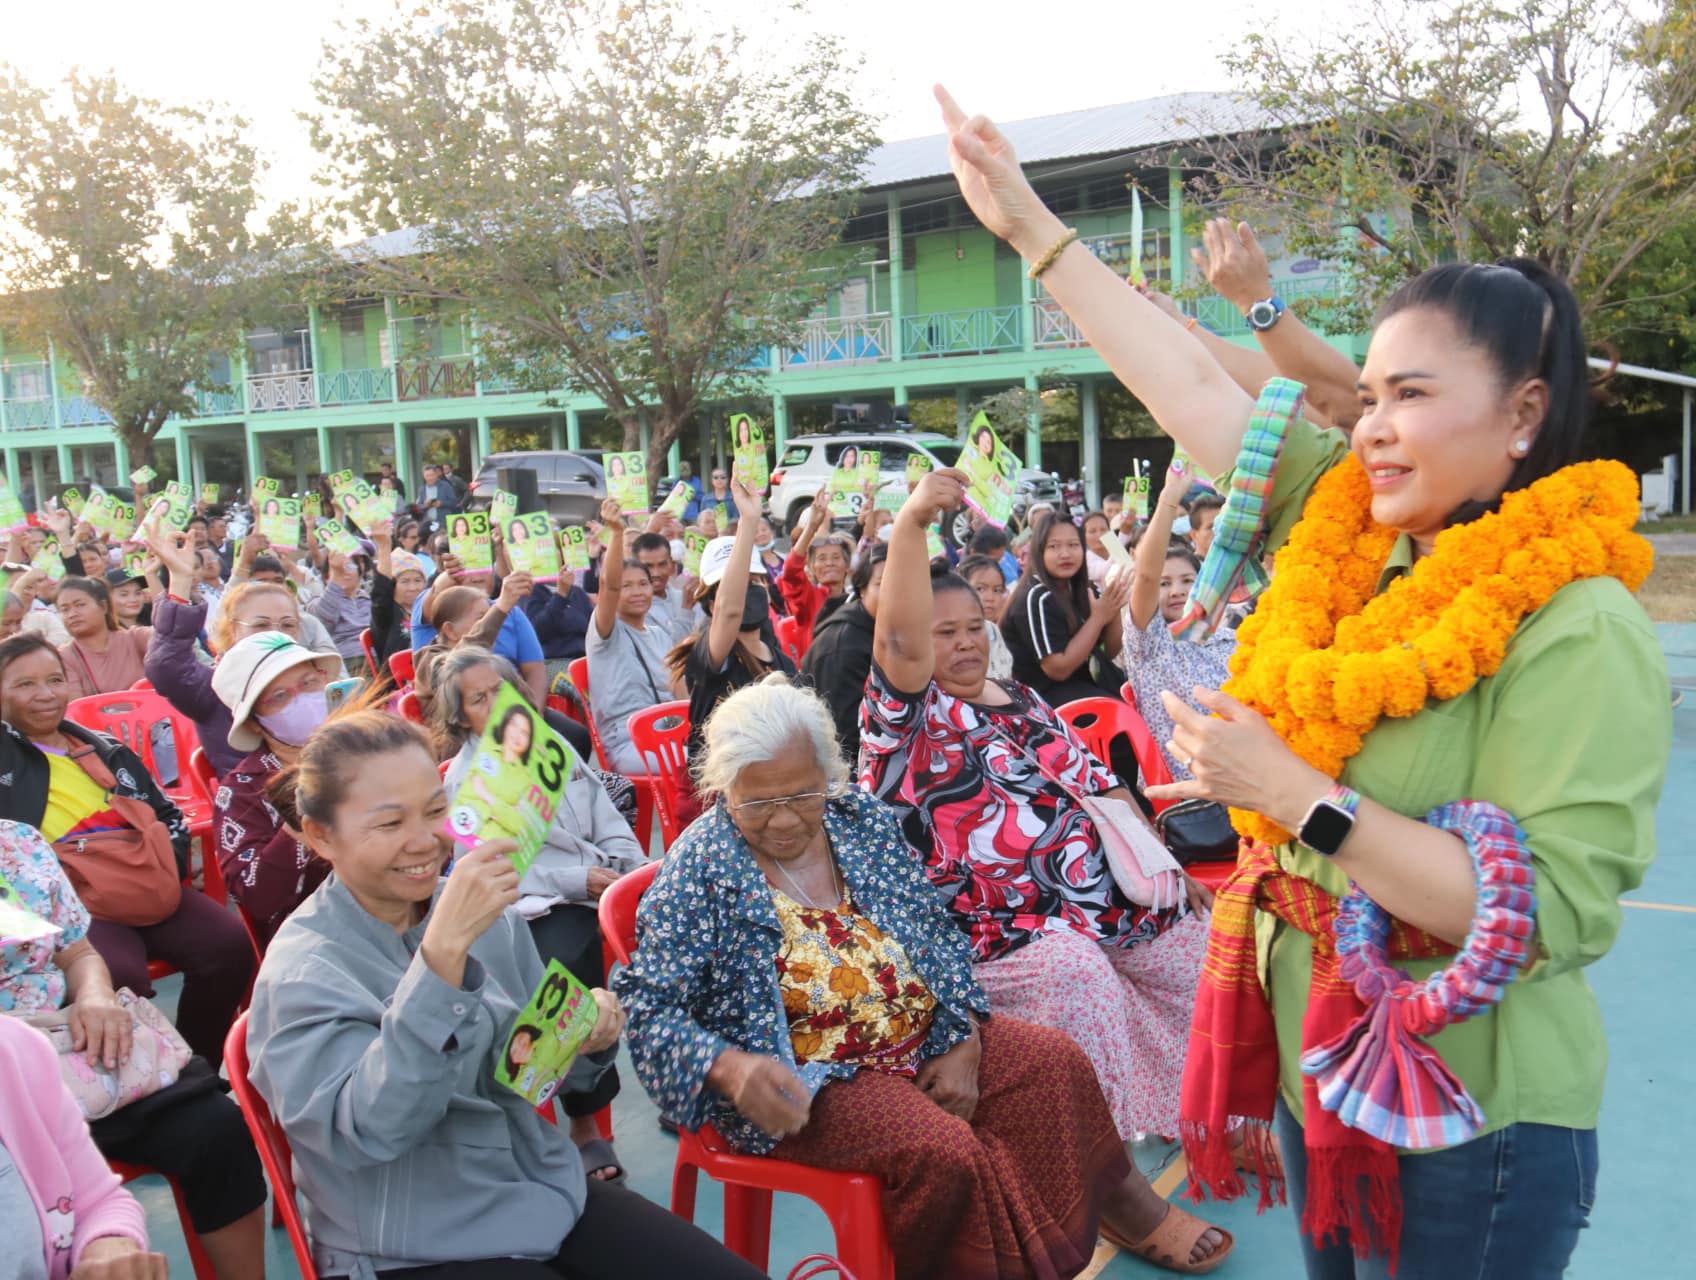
(1323, 659)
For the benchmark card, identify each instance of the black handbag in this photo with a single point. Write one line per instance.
(1198, 831)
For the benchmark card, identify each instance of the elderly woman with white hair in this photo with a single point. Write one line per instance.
(798, 984)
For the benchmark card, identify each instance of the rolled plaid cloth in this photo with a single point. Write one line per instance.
(1239, 531)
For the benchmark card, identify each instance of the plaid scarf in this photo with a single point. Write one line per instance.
(1231, 1071)
(1233, 563)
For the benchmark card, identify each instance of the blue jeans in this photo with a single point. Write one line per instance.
(1507, 1206)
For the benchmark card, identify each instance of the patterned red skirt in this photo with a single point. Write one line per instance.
(1015, 1192)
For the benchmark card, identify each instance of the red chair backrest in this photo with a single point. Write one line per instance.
(370, 651)
(400, 666)
(617, 910)
(142, 686)
(273, 1146)
(409, 707)
(789, 636)
(201, 768)
(129, 717)
(1099, 720)
(661, 736)
(578, 673)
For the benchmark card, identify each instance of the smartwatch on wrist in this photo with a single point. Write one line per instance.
(1330, 821)
(1265, 313)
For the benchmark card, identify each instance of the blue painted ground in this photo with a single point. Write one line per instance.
(1647, 1194)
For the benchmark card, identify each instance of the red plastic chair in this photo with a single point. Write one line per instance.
(409, 707)
(142, 686)
(789, 636)
(1099, 720)
(197, 1257)
(400, 666)
(201, 767)
(273, 1147)
(647, 796)
(661, 736)
(371, 663)
(852, 1201)
(129, 717)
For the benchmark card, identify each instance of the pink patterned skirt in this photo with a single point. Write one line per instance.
(1128, 1009)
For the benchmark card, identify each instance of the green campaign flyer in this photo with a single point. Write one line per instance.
(50, 560)
(1136, 496)
(279, 520)
(918, 467)
(627, 481)
(503, 508)
(135, 563)
(870, 462)
(168, 511)
(311, 507)
(143, 476)
(694, 543)
(574, 548)
(209, 493)
(333, 536)
(847, 483)
(530, 546)
(677, 501)
(12, 515)
(933, 542)
(748, 453)
(468, 538)
(359, 502)
(517, 776)
(990, 468)
(74, 502)
(546, 1036)
(265, 487)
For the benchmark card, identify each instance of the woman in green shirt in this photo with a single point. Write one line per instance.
(1452, 622)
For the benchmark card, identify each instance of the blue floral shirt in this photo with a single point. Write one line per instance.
(704, 978)
(29, 980)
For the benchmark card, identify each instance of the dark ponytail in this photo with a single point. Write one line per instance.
(1525, 318)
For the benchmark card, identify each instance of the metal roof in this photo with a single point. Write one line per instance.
(1092, 131)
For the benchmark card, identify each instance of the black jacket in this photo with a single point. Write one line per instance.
(837, 665)
(25, 776)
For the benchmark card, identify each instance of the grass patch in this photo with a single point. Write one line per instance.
(1670, 593)
(1669, 524)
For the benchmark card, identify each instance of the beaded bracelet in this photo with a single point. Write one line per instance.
(1379, 1076)
(1052, 256)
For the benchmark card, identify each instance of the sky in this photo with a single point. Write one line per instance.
(1038, 60)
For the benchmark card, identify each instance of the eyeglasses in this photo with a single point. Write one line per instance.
(809, 804)
(288, 626)
(274, 700)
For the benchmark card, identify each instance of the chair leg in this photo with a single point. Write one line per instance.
(747, 1223)
(862, 1241)
(683, 1178)
(198, 1259)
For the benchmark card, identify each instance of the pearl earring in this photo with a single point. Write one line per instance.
(1520, 446)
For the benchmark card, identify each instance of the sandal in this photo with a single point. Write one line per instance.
(1243, 1158)
(1170, 1244)
(598, 1155)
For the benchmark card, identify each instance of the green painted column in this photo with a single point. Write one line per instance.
(1175, 216)
(1027, 302)
(403, 459)
(1089, 413)
(780, 422)
(897, 345)
(483, 448)
(394, 355)
(556, 432)
(255, 457)
(185, 460)
(326, 459)
(312, 346)
(1033, 425)
(67, 473)
(674, 457)
(573, 430)
(14, 479)
(962, 410)
(53, 382)
(120, 460)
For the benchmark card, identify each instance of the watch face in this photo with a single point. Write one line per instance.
(1262, 315)
(1326, 828)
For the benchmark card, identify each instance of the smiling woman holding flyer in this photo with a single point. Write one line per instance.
(379, 1020)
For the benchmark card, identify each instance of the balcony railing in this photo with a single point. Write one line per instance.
(954, 333)
(218, 404)
(1225, 320)
(437, 379)
(356, 386)
(841, 340)
(80, 411)
(271, 392)
(1052, 327)
(30, 414)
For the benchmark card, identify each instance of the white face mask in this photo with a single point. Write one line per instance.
(885, 531)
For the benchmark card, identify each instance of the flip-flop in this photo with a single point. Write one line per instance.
(1170, 1244)
(598, 1154)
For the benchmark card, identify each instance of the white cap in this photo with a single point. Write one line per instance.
(715, 559)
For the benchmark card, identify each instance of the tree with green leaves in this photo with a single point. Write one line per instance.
(633, 207)
(128, 242)
(1554, 129)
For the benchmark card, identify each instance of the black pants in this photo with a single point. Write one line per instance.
(572, 732)
(621, 1236)
(572, 935)
(193, 1132)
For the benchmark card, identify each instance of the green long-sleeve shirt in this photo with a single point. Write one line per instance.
(1571, 737)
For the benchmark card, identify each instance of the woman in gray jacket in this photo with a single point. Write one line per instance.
(588, 847)
(380, 1013)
